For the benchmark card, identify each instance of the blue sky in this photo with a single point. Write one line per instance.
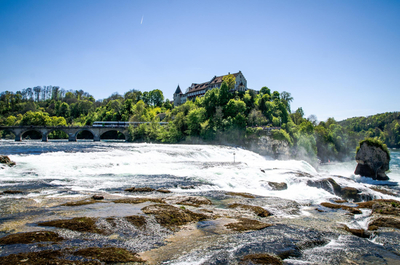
(337, 58)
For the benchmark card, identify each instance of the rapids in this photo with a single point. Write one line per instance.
(50, 173)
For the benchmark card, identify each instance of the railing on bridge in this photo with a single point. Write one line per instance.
(97, 129)
(115, 124)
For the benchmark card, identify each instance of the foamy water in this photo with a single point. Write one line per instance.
(59, 168)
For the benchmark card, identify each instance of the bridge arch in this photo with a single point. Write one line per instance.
(34, 134)
(82, 131)
(57, 133)
(104, 132)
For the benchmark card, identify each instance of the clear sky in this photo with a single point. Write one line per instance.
(337, 58)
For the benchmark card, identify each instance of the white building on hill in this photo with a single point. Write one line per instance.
(198, 90)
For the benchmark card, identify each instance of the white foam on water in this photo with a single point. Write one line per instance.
(102, 166)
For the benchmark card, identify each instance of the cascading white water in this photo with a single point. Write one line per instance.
(93, 167)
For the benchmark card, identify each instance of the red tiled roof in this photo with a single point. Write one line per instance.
(203, 86)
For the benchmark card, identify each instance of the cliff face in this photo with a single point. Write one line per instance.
(266, 145)
(372, 161)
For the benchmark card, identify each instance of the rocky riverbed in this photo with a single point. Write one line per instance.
(212, 227)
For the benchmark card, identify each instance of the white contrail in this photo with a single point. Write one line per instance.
(141, 21)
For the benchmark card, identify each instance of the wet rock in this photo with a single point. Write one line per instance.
(340, 201)
(163, 191)
(277, 185)
(79, 203)
(138, 200)
(97, 197)
(261, 259)
(241, 194)
(343, 207)
(383, 191)
(357, 232)
(370, 204)
(382, 206)
(30, 237)
(246, 224)
(350, 193)
(48, 257)
(144, 189)
(373, 160)
(259, 211)
(328, 184)
(80, 224)
(170, 216)
(12, 192)
(136, 220)
(384, 222)
(6, 161)
(190, 200)
(109, 255)
(189, 187)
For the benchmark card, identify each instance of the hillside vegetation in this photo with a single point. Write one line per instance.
(218, 117)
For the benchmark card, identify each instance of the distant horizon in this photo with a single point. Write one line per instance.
(338, 59)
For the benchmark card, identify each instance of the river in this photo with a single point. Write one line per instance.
(54, 172)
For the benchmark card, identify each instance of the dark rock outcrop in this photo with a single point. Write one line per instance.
(6, 161)
(372, 160)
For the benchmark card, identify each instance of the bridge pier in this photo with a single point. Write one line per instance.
(96, 138)
(44, 137)
(71, 137)
(18, 137)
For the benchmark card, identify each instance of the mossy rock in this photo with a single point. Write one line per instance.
(30, 237)
(170, 216)
(382, 206)
(136, 220)
(48, 257)
(384, 222)
(80, 203)
(262, 258)
(109, 255)
(143, 189)
(163, 191)
(353, 210)
(138, 200)
(80, 224)
(190, 200)
(246, 224)
(241, 194)
(257, 210)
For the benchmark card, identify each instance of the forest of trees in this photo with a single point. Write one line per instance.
(220, 116)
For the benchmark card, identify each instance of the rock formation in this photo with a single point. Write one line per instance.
(6, 161)
(373, 160)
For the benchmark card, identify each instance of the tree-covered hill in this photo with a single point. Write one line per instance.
(220, 116)
(384, 126)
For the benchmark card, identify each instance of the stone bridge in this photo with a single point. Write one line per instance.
(72, 132)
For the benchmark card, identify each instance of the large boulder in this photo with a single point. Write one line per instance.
(373, 160)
